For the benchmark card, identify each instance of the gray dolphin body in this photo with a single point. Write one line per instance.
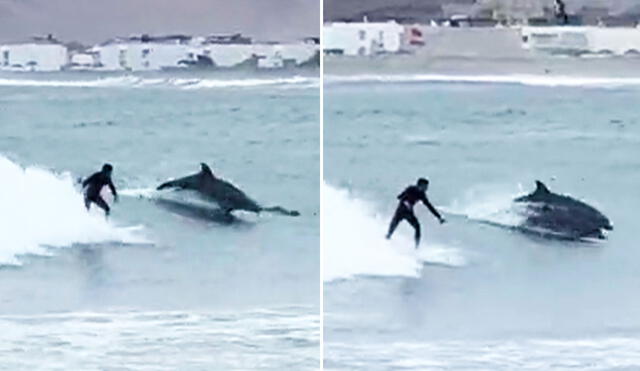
(198, 212)
(225, 194)
(562, 215)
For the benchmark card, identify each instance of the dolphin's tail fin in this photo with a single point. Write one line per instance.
(281, 210)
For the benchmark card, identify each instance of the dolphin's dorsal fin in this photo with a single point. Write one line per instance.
(541, 188)
(204, 168)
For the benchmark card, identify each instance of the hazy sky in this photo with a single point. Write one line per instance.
(91, 21)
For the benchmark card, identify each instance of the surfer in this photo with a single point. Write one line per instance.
(404, 211)
(94, 185)
(560, 11)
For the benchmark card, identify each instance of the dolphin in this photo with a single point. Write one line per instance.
(225, 194)
(195, 211)
(562, 215)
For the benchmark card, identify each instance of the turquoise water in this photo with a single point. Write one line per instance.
(476, 296)
(150, 287)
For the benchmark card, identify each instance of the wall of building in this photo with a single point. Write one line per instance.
(33, 57)
(582, 39)
(154, 56)
(470, 42)
(478, 42)
(363, 38)
(141, 56)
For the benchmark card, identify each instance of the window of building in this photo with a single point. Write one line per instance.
(5, 58)
(122, 58)
(362, 34)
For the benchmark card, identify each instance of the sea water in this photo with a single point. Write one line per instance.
(474, 296)
(149, 288)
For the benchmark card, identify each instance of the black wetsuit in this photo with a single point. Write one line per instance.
(408, 199)
(95, 183)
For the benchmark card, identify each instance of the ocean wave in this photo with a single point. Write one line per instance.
(265, 339)
(354, 244)
(166, 82)
(519, 79)
(602, 353)
(41, 209)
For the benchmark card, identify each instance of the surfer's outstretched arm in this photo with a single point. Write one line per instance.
(433, 210)
(113, 190)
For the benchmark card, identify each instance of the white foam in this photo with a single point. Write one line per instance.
(298, 81)
(522, 79)
(120, 81)
(42, 209)
(598, 353)
(489, 203)
(138, 192)
(131, 81)
(354, 244)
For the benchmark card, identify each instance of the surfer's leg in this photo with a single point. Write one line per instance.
(416, 226)
(102, 204)
(397, 217)
(87, 202)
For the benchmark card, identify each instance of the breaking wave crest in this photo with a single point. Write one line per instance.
(354, 243)
(520, 79)
(41, 209)
(166, 82)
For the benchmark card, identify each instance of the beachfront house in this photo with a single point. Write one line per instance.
(234, 51)
(362, 38)
(285, 55)
(83, 61)
(226, 51)
(36, 54)
(576, 40)
(145, 53)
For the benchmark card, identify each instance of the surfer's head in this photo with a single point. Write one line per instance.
(423, 184)
(107, 168)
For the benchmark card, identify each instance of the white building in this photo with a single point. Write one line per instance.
(38, 54)
(83, 61)
(155, 53)
(259, 55)
(365, 38)
(144, 53)
(577, 40)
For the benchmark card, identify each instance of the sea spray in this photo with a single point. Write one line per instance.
(40, 208)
